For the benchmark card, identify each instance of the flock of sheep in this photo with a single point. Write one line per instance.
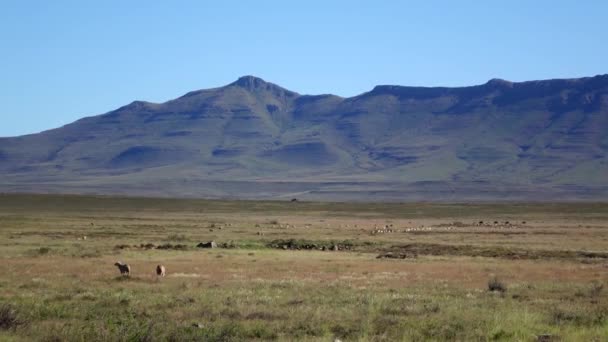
(125, 269)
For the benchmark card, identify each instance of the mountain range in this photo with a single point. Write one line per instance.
(536, 140)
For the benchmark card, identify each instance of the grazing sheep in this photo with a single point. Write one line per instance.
(123, 268)
(160, 270)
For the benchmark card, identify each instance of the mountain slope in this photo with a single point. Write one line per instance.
(253, 139)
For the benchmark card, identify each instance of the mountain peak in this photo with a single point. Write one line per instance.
(499, 83)
(253, 83)
(250, 82)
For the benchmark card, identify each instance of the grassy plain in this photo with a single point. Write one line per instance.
(270, 279)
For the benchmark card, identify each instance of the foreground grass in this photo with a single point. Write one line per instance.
(548, 274)
(137, 309)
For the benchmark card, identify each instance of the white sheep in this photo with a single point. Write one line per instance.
(160, 270)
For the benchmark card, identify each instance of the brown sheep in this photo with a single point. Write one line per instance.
(160, 270)
(123, 268)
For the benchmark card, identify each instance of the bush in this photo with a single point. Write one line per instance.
(495, 285)
(39, 251)
(43, 250)
(8, 318)
(596, 289)
(301, 244)
(579, 316)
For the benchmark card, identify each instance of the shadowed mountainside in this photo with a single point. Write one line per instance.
(537, 140)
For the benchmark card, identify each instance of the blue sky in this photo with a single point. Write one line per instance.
(63, 60)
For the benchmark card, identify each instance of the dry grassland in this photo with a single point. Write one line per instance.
(277, 276)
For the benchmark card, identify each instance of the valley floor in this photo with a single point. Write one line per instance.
(301, 270)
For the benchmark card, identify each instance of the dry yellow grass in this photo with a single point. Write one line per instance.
(59, 285)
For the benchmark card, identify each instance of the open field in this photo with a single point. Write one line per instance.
(277, 276)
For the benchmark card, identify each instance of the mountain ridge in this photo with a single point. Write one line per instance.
(241, 81)
(543, 137)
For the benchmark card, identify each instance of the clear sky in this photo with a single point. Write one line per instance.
(63, 60)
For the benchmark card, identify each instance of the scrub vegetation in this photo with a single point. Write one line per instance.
(301, 270)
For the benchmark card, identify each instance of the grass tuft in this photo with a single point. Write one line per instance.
(495, 285)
